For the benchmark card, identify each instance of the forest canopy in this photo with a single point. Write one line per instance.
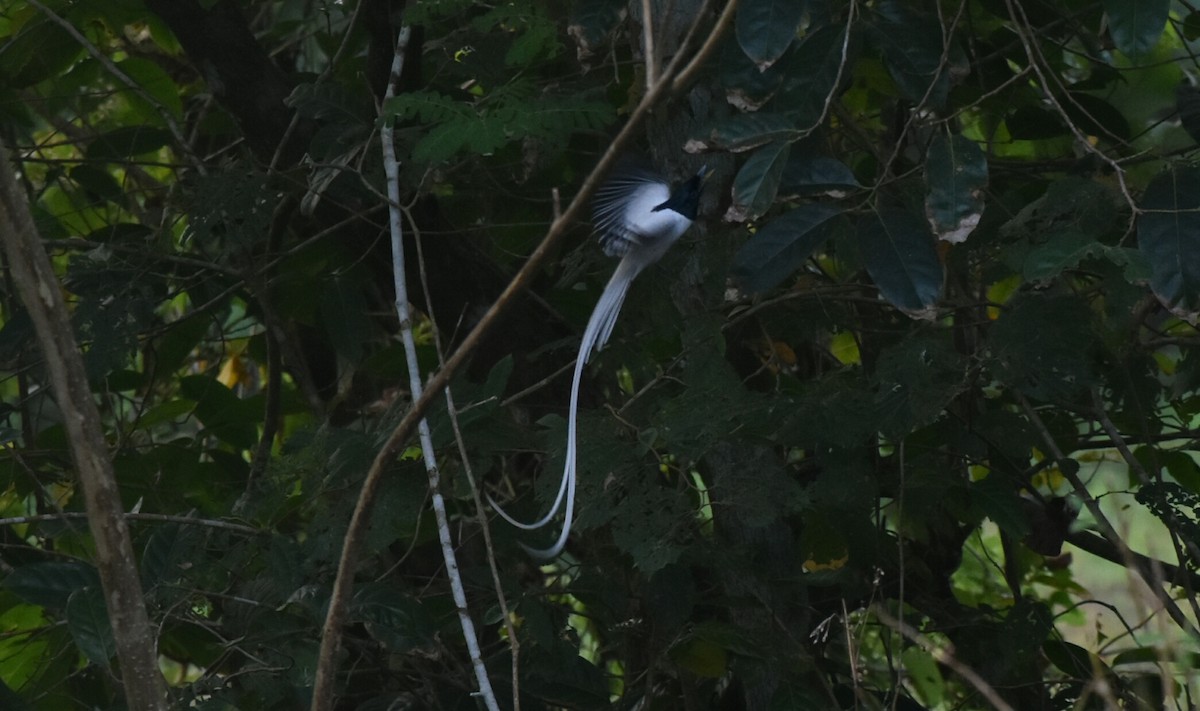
(906, 420)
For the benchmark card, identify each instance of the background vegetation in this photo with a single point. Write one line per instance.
(906, 421)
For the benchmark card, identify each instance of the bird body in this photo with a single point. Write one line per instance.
(637, 217)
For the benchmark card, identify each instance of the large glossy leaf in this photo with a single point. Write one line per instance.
(915, 52)
(956, 173)
(50, 584)
(1136, 26)
(87, 619)
(899, 253)
(810, 173)
(757, 182)
(813, 71)
(766, 28)
(746, 87)
(1169, 237)
(780, 246)
(746, 131)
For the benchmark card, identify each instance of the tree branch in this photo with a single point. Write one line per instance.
(42, 295)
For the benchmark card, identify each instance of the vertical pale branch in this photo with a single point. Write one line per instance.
(480, 513)
(404, 312)
(353, 542)
(343, 586)
(42, 296)
(648, 43)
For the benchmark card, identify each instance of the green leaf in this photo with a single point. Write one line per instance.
(956, 173)
(1068, 249)
(122, 144)
(1097, 117)
(901, 258)
(757, 182)
(746, 88)
(87, 620)
(779, 247)
(1169, 237)
(922, 672)
(746, 131)
(812, 74)
(41, 50)
(1000, 502)
(50, 584)
(913, 49)
(157, 85)
(99, 183)
(766, 28)
(1071, 659)
(812, 174)
(222, 412)
(1136, 26)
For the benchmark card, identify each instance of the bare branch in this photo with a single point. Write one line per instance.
(39, 290)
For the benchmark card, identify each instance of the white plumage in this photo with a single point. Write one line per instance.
(637, 217)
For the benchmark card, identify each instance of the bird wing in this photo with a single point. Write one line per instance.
(623, 204)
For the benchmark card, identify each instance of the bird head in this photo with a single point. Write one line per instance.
(685, 199)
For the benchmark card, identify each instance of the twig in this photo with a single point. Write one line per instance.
(944, 655)
(353, 541)
(161, 518)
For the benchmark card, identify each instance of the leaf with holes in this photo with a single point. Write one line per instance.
(757, 183)
(781, 246)
(956, 172)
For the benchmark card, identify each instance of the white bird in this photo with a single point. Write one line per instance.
(637, 217)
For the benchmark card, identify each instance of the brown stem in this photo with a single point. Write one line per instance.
(39, 289)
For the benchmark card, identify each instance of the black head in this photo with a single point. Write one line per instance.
(685, 199)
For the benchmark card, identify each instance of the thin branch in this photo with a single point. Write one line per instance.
(157, 518)
(944, 654)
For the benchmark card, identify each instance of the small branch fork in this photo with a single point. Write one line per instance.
(325, 675)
